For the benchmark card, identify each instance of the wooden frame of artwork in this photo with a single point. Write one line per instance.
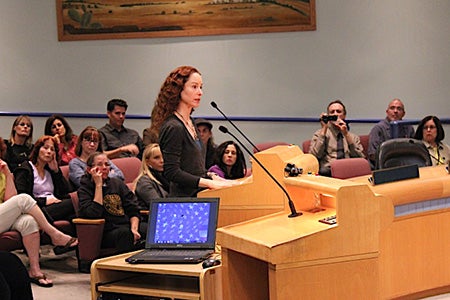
(120, 19)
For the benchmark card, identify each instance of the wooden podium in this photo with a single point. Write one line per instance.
(390, 241)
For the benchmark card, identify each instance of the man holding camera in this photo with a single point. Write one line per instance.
(333, 140)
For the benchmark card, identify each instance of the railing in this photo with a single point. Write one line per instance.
(394, 124)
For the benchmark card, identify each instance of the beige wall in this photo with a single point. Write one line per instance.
(364, 52)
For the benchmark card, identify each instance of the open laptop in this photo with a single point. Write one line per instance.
(180, 230)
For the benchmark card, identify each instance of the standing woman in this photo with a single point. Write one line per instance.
(20, 143)
(150, 183)
(183, 152)
(229, 161)
(90, 141)
(431, 132)
(41, 178)
(107, 198)
(59, 128)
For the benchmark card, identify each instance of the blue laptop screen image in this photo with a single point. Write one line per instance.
(183, 223)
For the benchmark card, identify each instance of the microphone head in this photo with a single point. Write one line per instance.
(223, 129)
(213, 104)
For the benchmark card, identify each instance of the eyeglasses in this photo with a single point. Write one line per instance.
(90, 140)
(431, 127)
(57, 125)
(25, 124)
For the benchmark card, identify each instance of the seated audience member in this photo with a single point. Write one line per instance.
(89, 142)
(229, 161)
(41, 178)
(117, 140)
(149, 137)
(333, 140)
(382, 130)
(20, 213)
(150, 183)
(20, 143)
(205, 131)
(102, 197)
(59, 128)
(431, 132)
(14, 278)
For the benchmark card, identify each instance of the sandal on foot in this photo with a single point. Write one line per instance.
(66, 248)
(36, 280)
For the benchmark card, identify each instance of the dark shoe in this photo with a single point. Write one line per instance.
(36, 280)
(66, 248)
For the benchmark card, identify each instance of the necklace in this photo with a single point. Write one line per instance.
(190, 127)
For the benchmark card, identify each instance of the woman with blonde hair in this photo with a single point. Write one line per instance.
(151, 184)
(20, 142)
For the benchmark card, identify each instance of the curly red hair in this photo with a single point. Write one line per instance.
(169, 96)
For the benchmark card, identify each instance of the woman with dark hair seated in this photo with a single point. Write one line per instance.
(41, 178)
(229, 161)
(431, 132)
(58, 127)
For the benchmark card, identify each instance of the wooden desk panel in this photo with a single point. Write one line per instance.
(370, 253)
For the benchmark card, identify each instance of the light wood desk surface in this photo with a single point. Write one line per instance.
(174, 281)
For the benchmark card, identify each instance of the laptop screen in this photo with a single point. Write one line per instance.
(182, 223)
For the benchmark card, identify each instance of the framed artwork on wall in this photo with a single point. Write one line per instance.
(121, 19)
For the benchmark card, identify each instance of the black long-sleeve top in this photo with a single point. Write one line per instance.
(24, 180)
(119, 202)
(184, 157)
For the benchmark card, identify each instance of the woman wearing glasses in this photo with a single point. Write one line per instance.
(88, 143)
(20, 143)
(58, 127)
(431, 132)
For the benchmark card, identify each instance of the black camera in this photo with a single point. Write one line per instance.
(292, 171)
(326, 118)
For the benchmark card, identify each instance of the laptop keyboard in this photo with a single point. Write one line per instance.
(173, 253)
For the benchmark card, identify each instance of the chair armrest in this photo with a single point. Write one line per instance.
(89, 233)
(88, 221)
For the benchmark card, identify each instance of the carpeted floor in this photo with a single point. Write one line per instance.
(68, 283)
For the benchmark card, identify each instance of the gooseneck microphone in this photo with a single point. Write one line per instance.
(294, 212)
(213, 104)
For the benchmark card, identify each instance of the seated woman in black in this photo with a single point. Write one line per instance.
(41, 178)
(20, 142)
(151, 184)
(102, 197)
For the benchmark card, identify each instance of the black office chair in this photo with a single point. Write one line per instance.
(402, 152)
